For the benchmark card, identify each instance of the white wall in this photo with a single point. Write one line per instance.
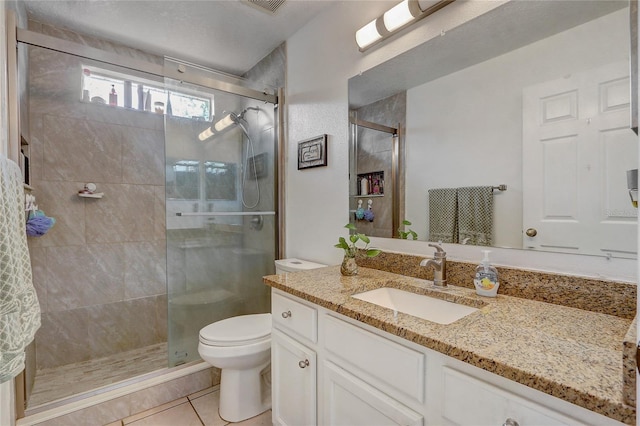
(321, 57)
(467, 127)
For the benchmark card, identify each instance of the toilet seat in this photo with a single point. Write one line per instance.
(237, 331)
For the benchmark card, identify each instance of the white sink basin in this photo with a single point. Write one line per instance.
(425, 307)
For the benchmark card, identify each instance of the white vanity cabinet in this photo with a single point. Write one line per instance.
(359, 375)
(293, 361)
(293, 394)
(368, 379)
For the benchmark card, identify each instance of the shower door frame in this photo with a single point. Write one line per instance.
(183, 72)
(396, 166)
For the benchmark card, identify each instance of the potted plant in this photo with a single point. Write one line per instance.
(349, 265)
(404, 235)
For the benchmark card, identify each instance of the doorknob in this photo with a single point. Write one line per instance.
(531, 232)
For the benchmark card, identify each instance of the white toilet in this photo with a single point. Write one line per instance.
(241, 347)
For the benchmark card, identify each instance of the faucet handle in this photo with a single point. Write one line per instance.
(438, 248)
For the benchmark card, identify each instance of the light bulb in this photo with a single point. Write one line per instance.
(223, 123)
(368, 35)
(397, 16)
(206, 134)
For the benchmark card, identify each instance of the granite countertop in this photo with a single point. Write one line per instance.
(572, 354)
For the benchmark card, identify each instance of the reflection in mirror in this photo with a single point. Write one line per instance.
(377, 142)
(197, 180)
(533, 95)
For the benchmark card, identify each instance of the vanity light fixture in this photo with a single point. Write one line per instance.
(225, 122)
(219, 126)
(400, 16)
(206, 134)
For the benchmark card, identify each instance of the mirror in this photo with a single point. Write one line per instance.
(534, 96)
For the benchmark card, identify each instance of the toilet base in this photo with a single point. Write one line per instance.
(240, 394)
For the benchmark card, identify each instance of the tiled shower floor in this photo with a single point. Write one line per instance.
(61, 382)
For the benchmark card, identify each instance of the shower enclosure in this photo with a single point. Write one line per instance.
(220, 217)
(179, 230)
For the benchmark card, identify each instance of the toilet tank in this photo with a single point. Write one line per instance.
(293, 265)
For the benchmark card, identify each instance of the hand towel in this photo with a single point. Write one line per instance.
(443, 223)
(475, 215)
(19, 308)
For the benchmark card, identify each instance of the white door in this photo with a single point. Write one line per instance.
(348, 401)
(577, 147)
(294, 382)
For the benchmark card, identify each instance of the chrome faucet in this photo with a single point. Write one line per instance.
(439, 263)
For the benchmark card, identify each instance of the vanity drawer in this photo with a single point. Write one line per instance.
(387, 363)
(294, 317)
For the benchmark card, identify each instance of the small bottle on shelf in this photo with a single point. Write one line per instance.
(376, 187)
(113, 96)
(364, 186)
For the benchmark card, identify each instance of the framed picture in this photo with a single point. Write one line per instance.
(312, 152)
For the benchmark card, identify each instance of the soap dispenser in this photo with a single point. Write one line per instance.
(486, 280)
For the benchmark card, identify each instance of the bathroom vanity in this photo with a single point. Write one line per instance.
(340, 360)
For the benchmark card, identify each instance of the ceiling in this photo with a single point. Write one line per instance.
(226, 35)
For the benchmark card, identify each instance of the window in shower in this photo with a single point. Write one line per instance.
(97, 84)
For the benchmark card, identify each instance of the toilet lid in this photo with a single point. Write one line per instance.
(235, 331)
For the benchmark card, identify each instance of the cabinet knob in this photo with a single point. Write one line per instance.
(286, 314)
(531, 232)
(510, 422)
(305, 363)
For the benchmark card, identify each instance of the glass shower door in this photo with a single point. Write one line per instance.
(220, 213)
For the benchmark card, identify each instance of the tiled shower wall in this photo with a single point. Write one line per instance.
(100, 271)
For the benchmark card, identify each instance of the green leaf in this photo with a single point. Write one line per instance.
(342, 243)
(414, 235)
(406, 222)
(373, 252)
(354, 238)
(364, 238)
(351, 226)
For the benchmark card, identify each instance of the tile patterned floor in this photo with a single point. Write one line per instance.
(199, 409)
(61, 382)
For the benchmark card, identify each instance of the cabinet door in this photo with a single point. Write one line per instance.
(294, 381)
(467, 400)
(349, 401)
